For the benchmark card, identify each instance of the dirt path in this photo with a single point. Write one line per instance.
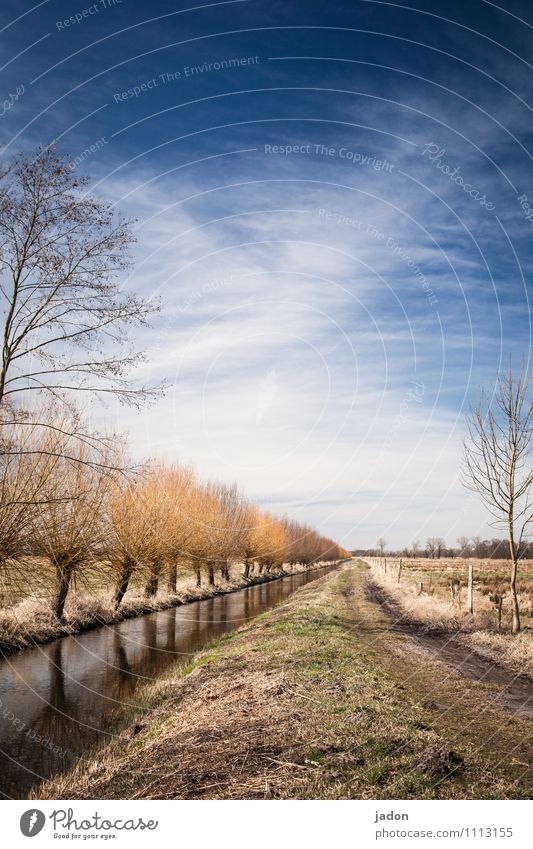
(515, 691)
(318, 699)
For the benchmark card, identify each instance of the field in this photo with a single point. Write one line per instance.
(319, 698)
(434, 593)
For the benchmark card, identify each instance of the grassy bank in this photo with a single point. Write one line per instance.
(32, 622)
(315, 699)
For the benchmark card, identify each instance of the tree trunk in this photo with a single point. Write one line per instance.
(514, 597)
(123, 581)
(198, 572)
(152, 585)
(172, 578)
(64, 574)
(514, 574)
(246, 568)
(210, 573)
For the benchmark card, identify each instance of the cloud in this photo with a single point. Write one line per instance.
(305, 293)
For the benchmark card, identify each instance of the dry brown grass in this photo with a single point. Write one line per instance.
(515, 651)
(216, 742)
(434, 607)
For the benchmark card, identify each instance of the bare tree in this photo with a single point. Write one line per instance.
(381, 543)
(65, 320)
(415, 547)
(497, 465)
(431, 546)
(440, 545)
(464, 546)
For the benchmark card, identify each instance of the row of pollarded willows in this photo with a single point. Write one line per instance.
(68, 506)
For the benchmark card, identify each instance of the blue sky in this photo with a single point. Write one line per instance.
(331, 204)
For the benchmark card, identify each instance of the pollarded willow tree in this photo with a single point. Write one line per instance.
(130, 537)
(221, 532)
(69, 523)
(180, 487)
(253, 538)
(229, 525)
(498, 467)
(29, 456)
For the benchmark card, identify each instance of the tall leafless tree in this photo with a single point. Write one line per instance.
(498, 462)
(381, 543)
(435, 546)
(65, 320)
(464, 546)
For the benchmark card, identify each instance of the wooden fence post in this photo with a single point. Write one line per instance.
(400, 571)
(470, 588)
(500, 604)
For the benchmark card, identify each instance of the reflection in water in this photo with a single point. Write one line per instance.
(57, 700)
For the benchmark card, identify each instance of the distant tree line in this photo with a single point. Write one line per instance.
(436, 548)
